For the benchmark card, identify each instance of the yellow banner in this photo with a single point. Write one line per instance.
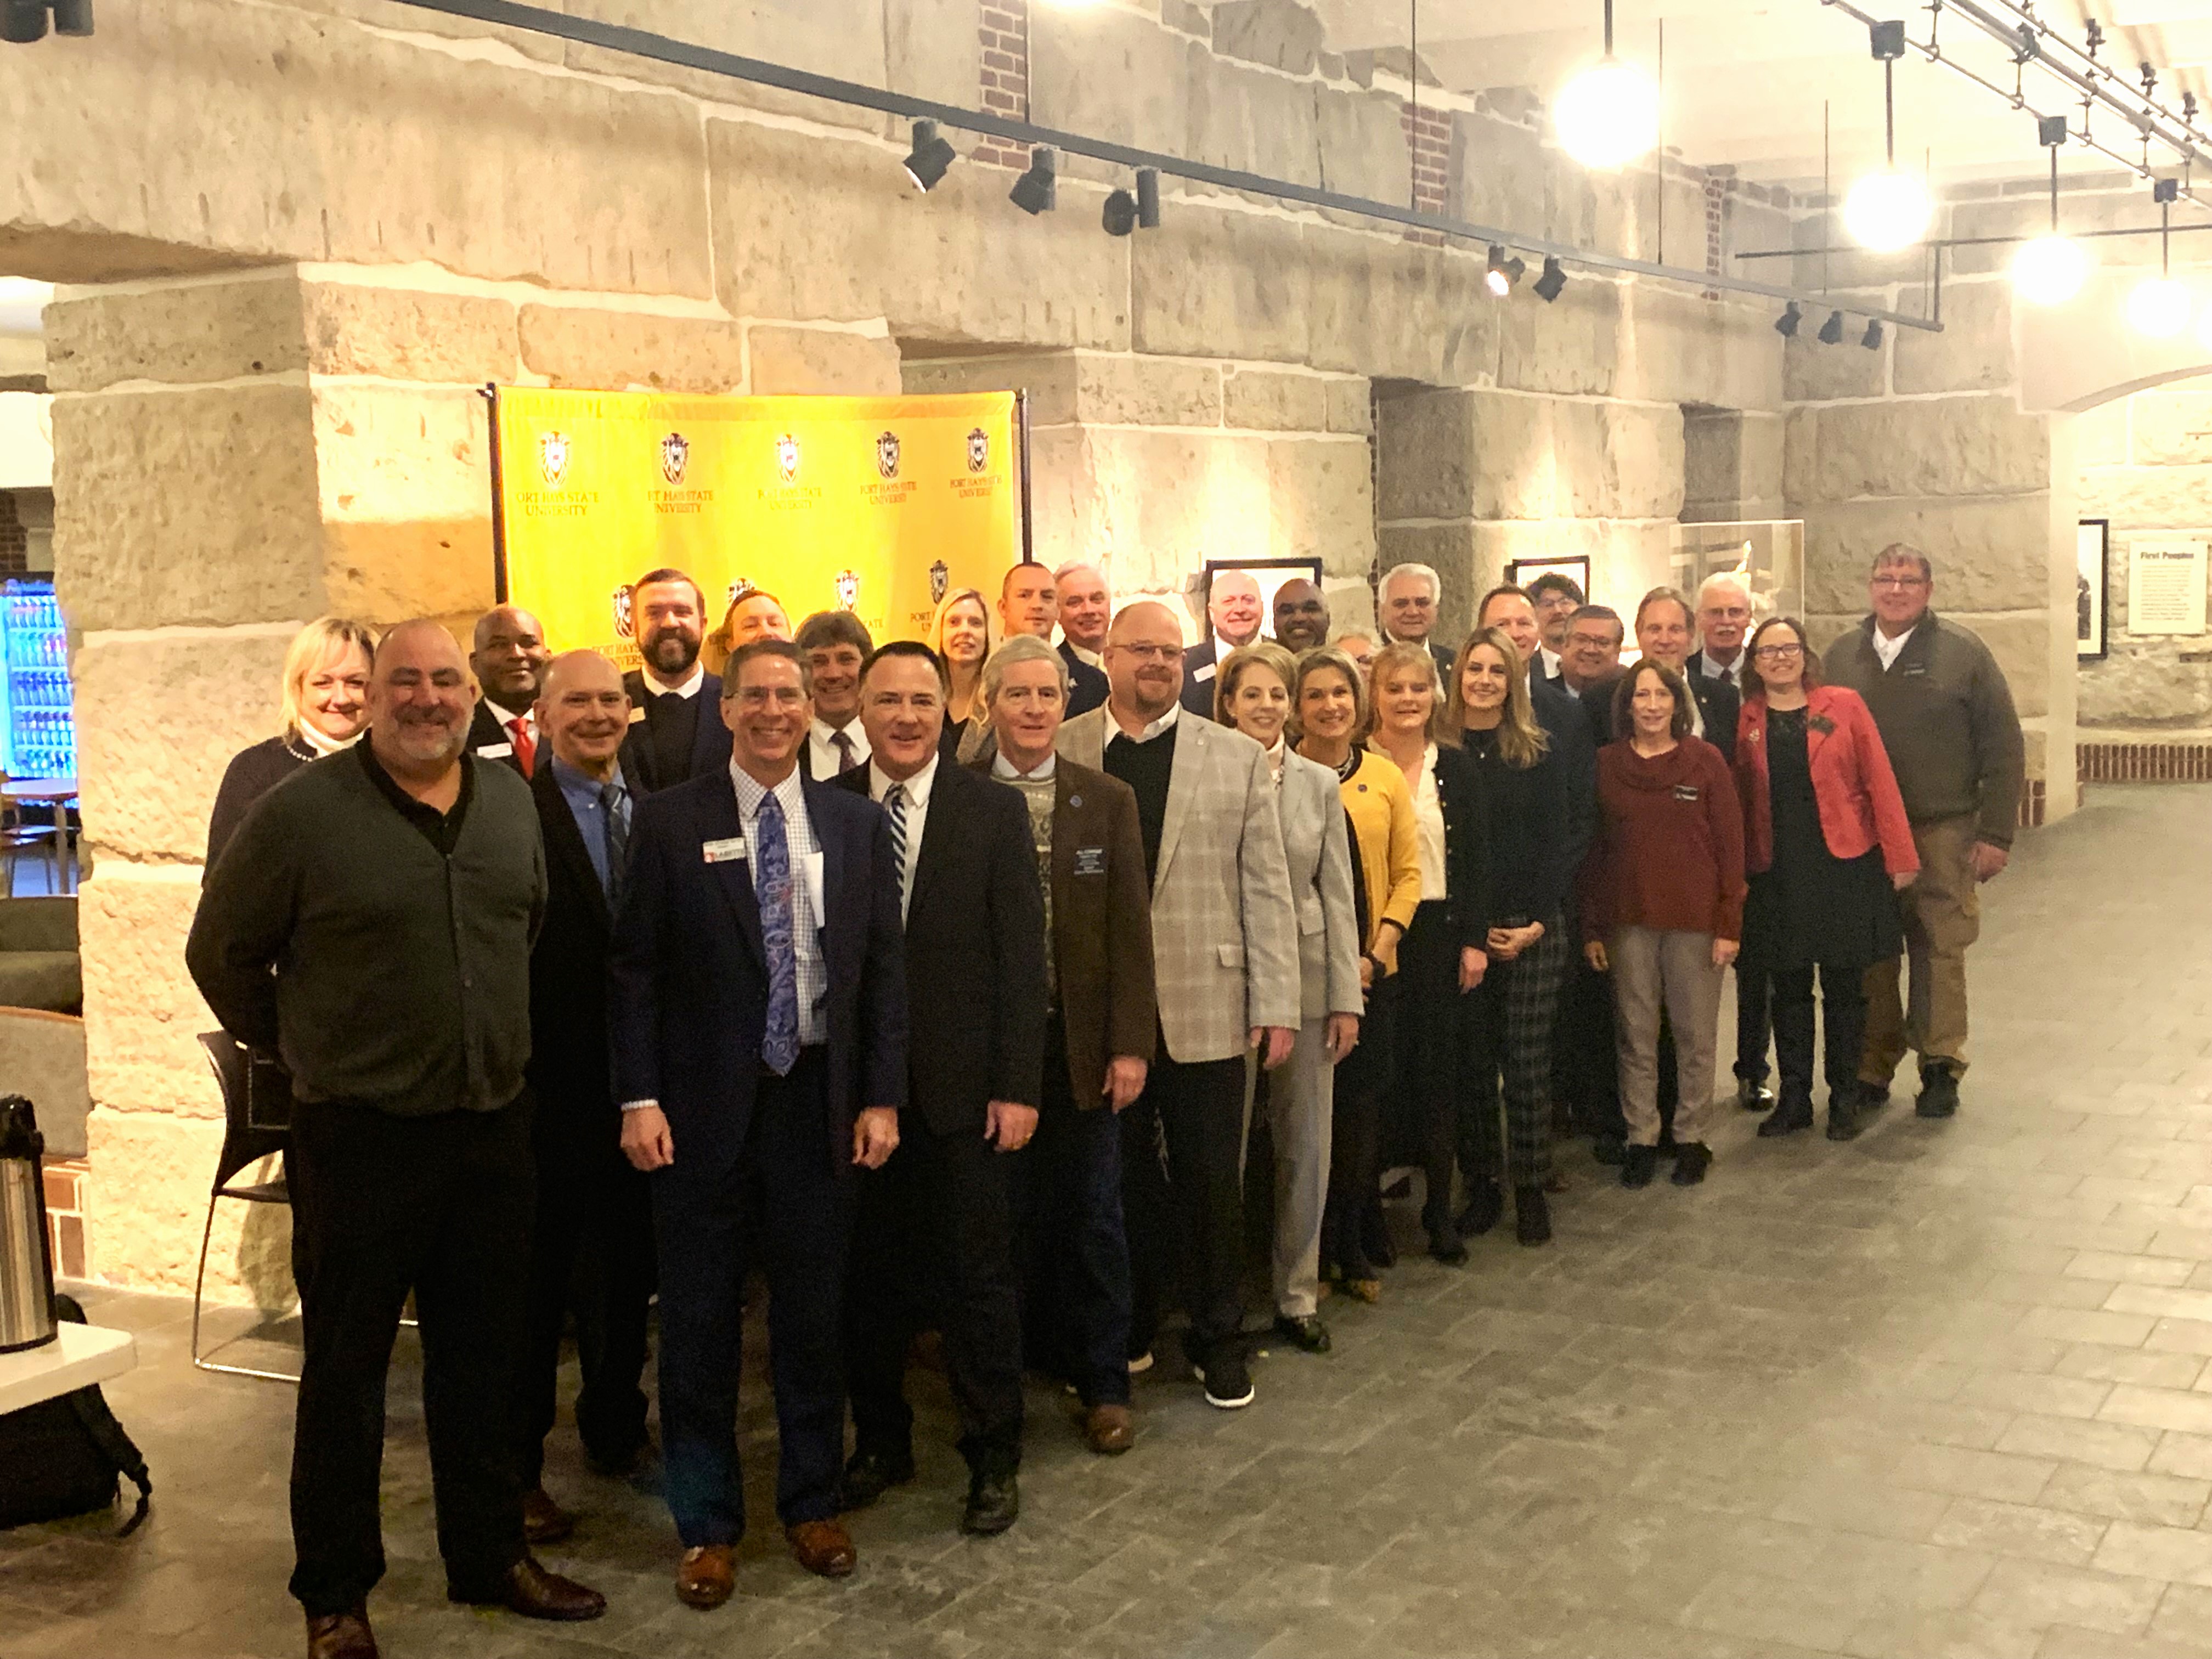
(872, 505)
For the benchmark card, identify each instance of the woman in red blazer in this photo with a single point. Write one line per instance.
(1828, 845)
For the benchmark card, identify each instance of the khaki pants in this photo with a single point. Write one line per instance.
(1942, 916)
(1650, 967)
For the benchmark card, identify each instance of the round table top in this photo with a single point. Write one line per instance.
(38, 788)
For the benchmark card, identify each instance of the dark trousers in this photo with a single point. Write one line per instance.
(1509, 1029)
(1753, 981)
(1427, 1051)
(933, 1247)
(1843, 1010)
(1583, 1062)
(591, 1253)
(382, 1206)
(788, 1193)
(1183, 1139)
(1073, 1250)
(1355, 1134)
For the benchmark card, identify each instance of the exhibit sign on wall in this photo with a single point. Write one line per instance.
(877, 506)
(2092, 540)
(2165, 585)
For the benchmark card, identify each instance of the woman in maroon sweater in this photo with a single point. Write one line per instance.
(1662, 908)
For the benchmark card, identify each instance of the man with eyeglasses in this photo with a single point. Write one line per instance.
(1724, 619)
(1946, 716)
(1557, 596)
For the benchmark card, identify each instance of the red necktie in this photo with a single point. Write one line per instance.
(525, 746)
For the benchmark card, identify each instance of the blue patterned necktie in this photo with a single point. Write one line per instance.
(772, 888)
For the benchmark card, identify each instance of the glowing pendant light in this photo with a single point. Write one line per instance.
(1889, 209)
(2051, 270)
(1608, 114)
(2158, 306)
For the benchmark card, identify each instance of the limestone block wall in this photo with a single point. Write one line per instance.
(1924, 440)
(2146, 465)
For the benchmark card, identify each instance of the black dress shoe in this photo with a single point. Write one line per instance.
(528, 1589)
(1444, 1246)
(1638, 1165)
(1939, 1091)
(1532, 1216)
(342, 1635)
(1754, 1097)
(993, 1503)
(1795, 1113)
(1485, 1203)
(1303, 1331)
(1691, 1163)
(869, 1475)
(1844, 1114)
(1610, 1150)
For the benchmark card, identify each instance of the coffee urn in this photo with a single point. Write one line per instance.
(27, 1270)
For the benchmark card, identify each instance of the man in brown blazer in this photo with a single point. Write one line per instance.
(1098, 1046)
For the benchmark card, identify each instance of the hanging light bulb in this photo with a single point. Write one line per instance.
(2158, 306)
(2050, 269)
(1608, 114)
(1888, 210)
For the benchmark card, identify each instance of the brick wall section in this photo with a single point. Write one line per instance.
(1717, 190)
(1428, 150)
(14, 541)
(2143, 762)
(1005, 33)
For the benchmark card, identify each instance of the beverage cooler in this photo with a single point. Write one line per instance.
(38, 733)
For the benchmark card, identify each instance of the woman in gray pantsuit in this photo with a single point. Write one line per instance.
(1252, 694)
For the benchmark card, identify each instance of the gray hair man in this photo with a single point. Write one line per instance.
(1232, 618)
(1406, 604)
(1946, 716)
(1723, 620)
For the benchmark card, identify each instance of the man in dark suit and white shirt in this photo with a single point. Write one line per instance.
(676, 706)
(836, 643)
(939, 1217)
(1301, 616)
(508, 654)
(1232, 619)
(592, 1243)
(1406, 605)
(757, 1011)
(1556, 597)
(1086, 610)
(1665, 631)
(1723, 620)
(1029, 603)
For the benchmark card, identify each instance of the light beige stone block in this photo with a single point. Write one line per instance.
(2148, 497)
(1679, 348)
(1573, 345)
(408, 334)
(405, 487)
(1644, 461)
(1974, 352)
(1965, 445)
(1215, 282)
(821, 360)
(1116, 75)
(1111, 389)
(2022, 645)
(617, 350)
(1275, 402)
(1814, 373)
(1050, 378)
(1251, 119)
(194, 506)
(1384, 307)
(150, 1200)
(148, 766)
(1361, 139)
(1989, 553)
(181, 336)
(142, 1014)
(1350, 405)
(1153, 506)
(1455, 552)
(2168, 427)
(1324, 502)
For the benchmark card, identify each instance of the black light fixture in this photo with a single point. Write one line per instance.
(1872, 339)
(1832, 332)
(1037, 190)
(73, 17)
(1506, 269)
(1786, 324)
(1148, 198)
(1554, 279)
(932, 155)
(23, 22)
(1120, 216)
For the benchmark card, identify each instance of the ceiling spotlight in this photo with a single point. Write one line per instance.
(2159, 307)
(1872, 339)
(926, 163)
(1832, 332)
(1888, 210)
(1495, 278)
(73, 17)
(1554, 279)
(1148, 198)
(1608, 114)
(1037, 190)
(2050, 269)
(1786, 324)
(23, 22)
(1120, 216)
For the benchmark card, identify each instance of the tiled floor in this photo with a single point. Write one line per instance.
(1941, 1392)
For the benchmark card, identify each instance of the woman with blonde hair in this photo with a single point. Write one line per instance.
(325, 706)
(1526, 807)
(963, 635)
(1444, 953)
(1252, 695)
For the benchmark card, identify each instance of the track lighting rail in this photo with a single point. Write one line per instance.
(639, 43)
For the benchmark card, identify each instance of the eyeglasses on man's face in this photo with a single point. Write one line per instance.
(1895, 580)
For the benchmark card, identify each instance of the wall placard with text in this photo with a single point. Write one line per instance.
(2165, 585)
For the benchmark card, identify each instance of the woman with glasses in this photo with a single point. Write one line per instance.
(1827, 840)
(1252, 695)
(1443, 953)
(1524, 790)
(1328, 698)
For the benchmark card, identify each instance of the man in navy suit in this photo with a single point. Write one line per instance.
(1232, 620)
(1029, 603)
(676, 717)
(757, 1009)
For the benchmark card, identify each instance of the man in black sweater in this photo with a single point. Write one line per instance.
(371, 923)
(676, 706)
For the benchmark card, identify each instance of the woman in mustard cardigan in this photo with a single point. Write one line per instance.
(1827, 840)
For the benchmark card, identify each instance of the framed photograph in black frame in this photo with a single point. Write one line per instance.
(1575, 567)
(2092, 575)
(1270, 574)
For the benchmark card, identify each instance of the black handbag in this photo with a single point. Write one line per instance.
(63, 1456)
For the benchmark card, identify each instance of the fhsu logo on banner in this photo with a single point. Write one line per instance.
(553, 457)
(786, 457)
(674, 456)
(979, 450)
(887, 455)
(625, 621)
(940, 578)
(848, 589)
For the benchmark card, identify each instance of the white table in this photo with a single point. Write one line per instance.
(80, 1355)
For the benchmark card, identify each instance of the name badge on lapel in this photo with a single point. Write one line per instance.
(720, 851)
(1687, 792)
(496, 751)
(1203, 673)
(636, 714)
(1090, 861)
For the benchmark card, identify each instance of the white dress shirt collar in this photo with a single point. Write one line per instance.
(1003, 769)
(1093, 657)
(1548, 660)
(1889, 649)
(821, 740)
(790, 794)
(917, 786)
(687, 687)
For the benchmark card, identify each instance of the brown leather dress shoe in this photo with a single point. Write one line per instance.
(707, 1576)
(822, 1547)
(527, 1589)
(1107, 1430)
(544, 1521)
(342, 1635)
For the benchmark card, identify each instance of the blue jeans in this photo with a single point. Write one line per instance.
(1075, 1248)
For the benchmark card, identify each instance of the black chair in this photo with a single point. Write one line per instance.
(256, 1115)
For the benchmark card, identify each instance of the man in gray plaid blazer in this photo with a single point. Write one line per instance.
(1225, 954)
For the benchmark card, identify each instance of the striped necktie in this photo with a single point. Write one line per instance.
(895, 804)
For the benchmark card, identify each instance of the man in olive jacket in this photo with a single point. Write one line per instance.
(1946, 716)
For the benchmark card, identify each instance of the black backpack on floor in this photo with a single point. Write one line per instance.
(62, 1456)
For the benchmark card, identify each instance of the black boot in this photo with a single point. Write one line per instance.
(1444, 1246)
(1692, 1162)
(1532, 1216)
(1844, 1113)
(1795, 1113)
(1484, 1203)
(1639, 1165)
(1939, 1091)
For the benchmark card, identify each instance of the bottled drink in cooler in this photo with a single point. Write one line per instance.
(38, 735)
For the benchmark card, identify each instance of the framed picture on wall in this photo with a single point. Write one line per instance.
(2093, 555)
(1270, 574)
(1576, 568)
